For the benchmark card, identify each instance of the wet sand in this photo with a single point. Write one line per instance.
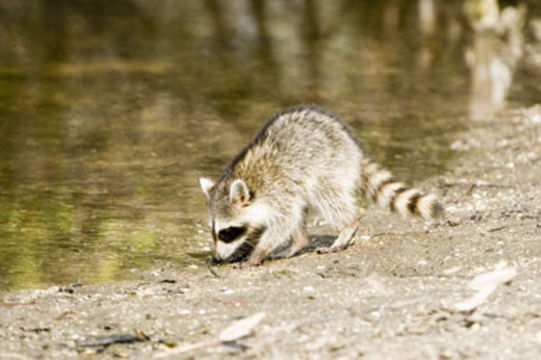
(402, 291)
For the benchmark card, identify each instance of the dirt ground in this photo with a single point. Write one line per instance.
(404, 290)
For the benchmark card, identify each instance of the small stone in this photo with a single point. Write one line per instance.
(451, 270)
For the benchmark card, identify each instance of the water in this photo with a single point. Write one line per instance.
(110, 111)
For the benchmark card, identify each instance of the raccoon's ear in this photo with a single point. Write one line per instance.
(206, 185)
(238, 192)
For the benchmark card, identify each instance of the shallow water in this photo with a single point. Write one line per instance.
(110, 111)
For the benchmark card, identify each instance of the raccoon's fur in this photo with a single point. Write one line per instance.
(304, 160)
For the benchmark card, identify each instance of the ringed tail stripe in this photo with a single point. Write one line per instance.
(381, 187)
(388, 192)
(402, 201)
(413, 203)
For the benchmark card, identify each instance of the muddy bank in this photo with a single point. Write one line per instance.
(403, 290)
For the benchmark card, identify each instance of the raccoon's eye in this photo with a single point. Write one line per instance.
(231, 233)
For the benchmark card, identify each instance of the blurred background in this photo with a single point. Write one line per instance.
(111, 110)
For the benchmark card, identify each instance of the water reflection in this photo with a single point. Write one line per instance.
(110, 111)
(497, 46)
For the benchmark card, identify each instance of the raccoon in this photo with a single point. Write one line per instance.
(304, 161)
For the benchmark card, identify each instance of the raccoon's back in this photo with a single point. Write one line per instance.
(298, 145)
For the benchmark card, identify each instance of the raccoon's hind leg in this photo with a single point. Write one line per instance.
(344, 238)
(343, 213)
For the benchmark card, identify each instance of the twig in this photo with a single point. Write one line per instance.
(497, 228)
(214, 273)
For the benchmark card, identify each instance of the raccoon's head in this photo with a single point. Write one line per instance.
(236, 220)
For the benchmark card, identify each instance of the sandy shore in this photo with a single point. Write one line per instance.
(403, 291)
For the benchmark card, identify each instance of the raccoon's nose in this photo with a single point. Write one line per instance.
(216, 258)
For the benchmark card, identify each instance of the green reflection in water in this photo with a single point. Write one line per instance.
(110, 111)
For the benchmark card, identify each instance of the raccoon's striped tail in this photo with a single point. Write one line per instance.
(379, 186)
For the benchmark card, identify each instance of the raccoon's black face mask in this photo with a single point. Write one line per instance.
(236, 243)
(231, 233)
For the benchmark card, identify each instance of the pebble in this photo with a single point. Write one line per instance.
(452, 270)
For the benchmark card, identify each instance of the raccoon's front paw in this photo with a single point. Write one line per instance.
(257, 257)
(323, 250)
(254, 262)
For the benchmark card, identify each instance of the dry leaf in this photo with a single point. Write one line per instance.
(241, 328)
(485, 284)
